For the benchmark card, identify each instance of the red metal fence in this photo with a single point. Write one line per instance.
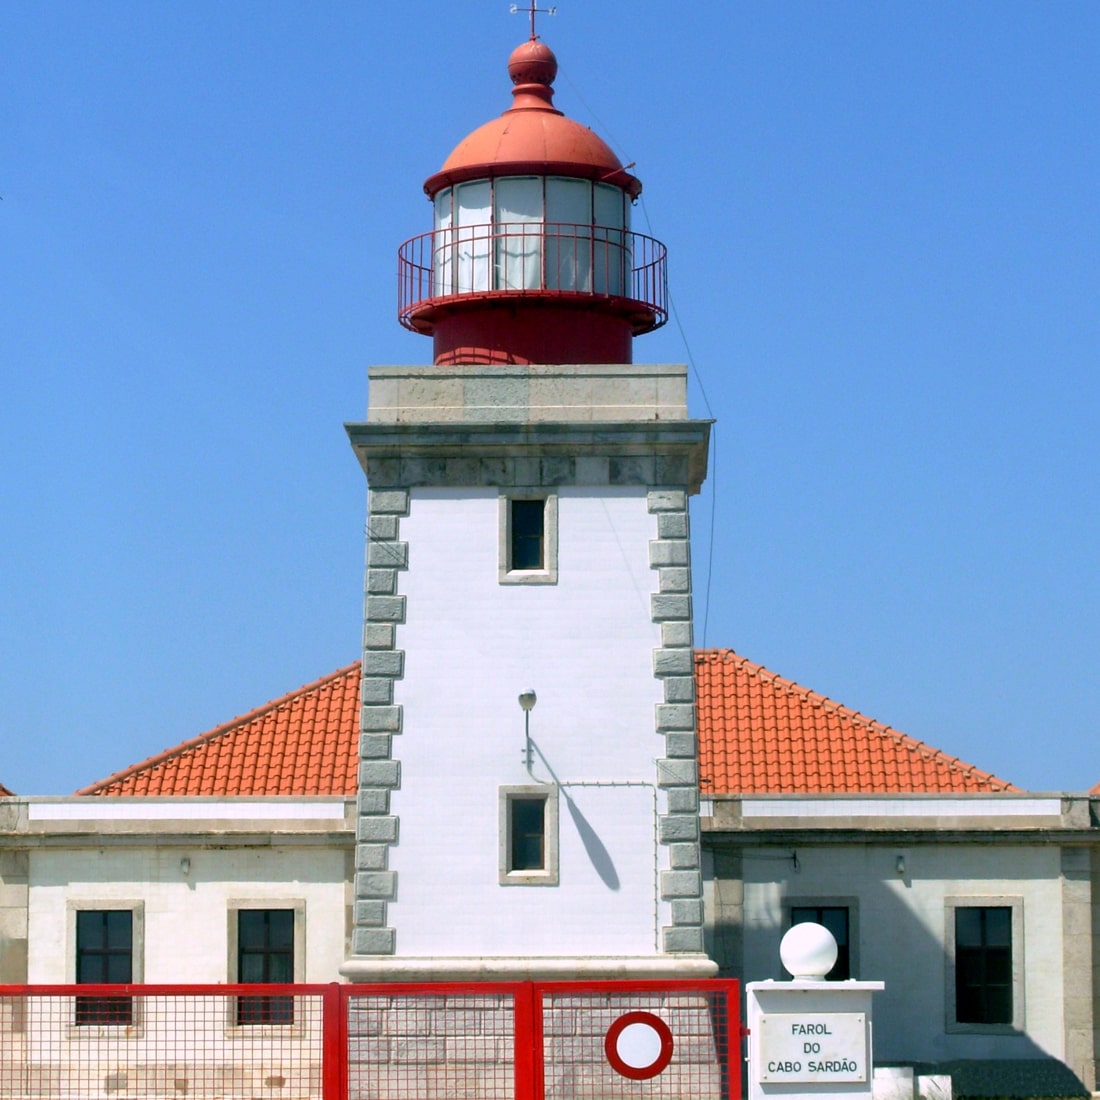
(482, 1041)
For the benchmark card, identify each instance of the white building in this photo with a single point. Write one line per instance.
(809, 810)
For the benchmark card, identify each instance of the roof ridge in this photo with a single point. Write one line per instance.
(912, 743)
(218, 731)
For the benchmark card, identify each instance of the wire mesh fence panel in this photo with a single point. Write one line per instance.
(474, 1041)
(220, 1045)
(431, 1045)
(660, 1044)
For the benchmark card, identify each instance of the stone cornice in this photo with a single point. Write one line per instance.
(680, 445)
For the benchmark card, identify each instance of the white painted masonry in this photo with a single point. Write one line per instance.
(472, 645)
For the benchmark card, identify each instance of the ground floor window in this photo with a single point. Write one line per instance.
(983, 964)
(104, 956)
(984, 937)
(265, 942)
(836, 919)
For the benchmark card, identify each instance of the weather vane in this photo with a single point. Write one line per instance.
(515, 9)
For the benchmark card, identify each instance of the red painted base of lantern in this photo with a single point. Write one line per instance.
(508, 332)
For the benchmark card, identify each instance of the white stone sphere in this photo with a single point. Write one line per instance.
(808, 951)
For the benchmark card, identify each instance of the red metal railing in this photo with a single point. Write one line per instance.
(523, 258)
(490, 1041)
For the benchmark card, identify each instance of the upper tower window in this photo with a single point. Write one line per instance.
(531, 233)
(528, 537)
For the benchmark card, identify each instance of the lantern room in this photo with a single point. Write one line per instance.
(532, 258)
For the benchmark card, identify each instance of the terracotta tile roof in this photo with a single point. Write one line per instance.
(758, 734)
(306, 743)
(761, 734)
(4, 792)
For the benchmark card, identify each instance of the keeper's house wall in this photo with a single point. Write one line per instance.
(901, 867)
(903, 935)
(184, 878)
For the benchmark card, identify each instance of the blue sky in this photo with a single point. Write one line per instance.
(885, 264)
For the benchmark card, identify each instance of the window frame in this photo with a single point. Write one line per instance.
(547, 875)
(851, 904)
(952, 1024)
(297, 907)
(93, 1029)
(548, 574)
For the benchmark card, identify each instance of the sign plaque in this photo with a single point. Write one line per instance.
(813, 1047)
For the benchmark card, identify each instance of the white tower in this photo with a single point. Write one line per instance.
(528, 802)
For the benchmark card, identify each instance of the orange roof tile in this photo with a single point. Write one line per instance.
(4, 792)
(758, 734)
(761, 734)
(306, 743)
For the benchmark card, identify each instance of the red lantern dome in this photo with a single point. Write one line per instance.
(532, 259)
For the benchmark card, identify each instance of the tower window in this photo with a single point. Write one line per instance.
(529, 836)
(528, 839)
(528, 537)
(528, 534)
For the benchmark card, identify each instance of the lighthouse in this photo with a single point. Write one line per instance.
(528, 789)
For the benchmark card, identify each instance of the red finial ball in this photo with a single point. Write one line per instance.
(533, 63)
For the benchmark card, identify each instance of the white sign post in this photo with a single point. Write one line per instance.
(809, 1036)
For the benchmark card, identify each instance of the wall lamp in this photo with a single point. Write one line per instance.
(527, 701)
(899, 865)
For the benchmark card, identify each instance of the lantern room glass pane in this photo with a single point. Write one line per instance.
(568, 234)
(518, 217)
(471, 238)
(443, 269)
(610, 266)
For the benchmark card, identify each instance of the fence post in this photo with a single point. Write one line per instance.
(334, 1042)
(527, 1053)
(735, 1040)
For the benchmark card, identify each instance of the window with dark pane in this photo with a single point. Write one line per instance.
(835, 918)
(528, 522)
(265, 954)
(983, 965)
(528, 834)
(104, 956)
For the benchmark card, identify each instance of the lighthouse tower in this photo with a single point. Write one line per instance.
(528, 793)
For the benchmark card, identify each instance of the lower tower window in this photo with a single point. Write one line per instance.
(529, 836)
(527, 848)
